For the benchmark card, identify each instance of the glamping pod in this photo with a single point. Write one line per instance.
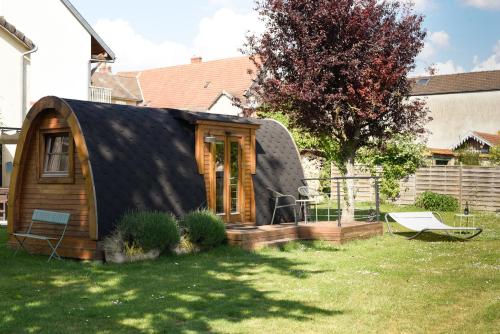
(97, 161)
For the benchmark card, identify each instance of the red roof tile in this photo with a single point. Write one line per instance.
(493, 139)
(440, 151)
(195, 86)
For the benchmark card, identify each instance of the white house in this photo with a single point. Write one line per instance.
(47, 48)
(459, 104)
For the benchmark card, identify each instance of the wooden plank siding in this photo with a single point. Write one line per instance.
(69, 197)
(478, 186)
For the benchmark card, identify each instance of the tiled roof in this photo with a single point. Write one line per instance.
(456, 83)
(195, 86)
(489, 138)
(16, 33)
(440, 151)
(123, 87)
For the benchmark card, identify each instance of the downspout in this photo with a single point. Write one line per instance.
(24, 88)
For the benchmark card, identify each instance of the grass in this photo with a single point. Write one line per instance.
(385, 284)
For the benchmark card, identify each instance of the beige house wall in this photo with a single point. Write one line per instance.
(456, 114)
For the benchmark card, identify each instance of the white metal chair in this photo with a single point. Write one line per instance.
(314, 197)
(283, 201)
(421, 222)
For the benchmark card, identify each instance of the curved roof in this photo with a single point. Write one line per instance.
(278, 167)
(143, 158)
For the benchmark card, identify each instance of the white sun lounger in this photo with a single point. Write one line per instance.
(425, 222)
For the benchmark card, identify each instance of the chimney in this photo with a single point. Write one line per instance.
(104, 67)
(196, 60)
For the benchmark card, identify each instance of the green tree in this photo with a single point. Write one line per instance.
(495, 155)
(398, 158)
(468, 157)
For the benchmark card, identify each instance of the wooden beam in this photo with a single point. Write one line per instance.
(29, 128)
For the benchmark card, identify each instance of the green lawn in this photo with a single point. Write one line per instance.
(385, 284)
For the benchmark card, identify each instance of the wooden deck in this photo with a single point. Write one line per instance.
(255, 237)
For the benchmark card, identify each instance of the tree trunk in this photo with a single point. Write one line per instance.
(348, 205)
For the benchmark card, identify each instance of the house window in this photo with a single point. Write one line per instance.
(56, 160)
(55, 157)
(441, 162)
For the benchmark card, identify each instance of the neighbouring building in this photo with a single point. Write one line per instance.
(211, 86)
(47, 48)
(464, 107)
(120, 89)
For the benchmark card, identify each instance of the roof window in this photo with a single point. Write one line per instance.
(423, 81)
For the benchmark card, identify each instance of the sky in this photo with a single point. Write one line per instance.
(462, 35)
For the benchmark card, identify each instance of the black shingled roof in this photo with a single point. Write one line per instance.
(143, 158)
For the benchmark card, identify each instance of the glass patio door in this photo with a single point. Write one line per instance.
(226, 185)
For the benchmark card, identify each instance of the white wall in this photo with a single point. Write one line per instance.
(456, 114)
(60, 66)
(10, 92)
(225, 106)
(11, 75)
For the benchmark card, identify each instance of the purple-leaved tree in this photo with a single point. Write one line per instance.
(339, 69)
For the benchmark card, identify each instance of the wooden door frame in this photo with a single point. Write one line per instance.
(227, 216)
(204, 158)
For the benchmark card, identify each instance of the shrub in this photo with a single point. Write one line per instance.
(436, 202)
(469, 157)
(148, 230)
(204, 228)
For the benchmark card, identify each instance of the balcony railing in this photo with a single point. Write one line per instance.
(100, 94)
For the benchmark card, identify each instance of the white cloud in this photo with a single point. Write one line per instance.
(448, 67)
(435, 42)
(483, 4)
(224, 33)
(440, 39)
(490, 63)
(219, 36)
(134, 51)
(421, 4)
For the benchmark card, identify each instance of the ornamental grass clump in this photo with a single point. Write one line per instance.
(204, 228)
(436, 202)
(148, 230)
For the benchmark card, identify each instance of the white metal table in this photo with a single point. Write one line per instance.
(462, 216)
(303, 204)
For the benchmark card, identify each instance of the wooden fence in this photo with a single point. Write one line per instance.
(479, 186)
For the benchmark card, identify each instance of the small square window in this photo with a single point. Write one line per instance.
(56, 158)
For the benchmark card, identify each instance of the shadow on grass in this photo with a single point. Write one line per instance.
(174, 294)
(433, 237)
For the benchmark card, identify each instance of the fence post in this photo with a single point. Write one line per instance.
(460, 185)
(338, 203)
(377, 201)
